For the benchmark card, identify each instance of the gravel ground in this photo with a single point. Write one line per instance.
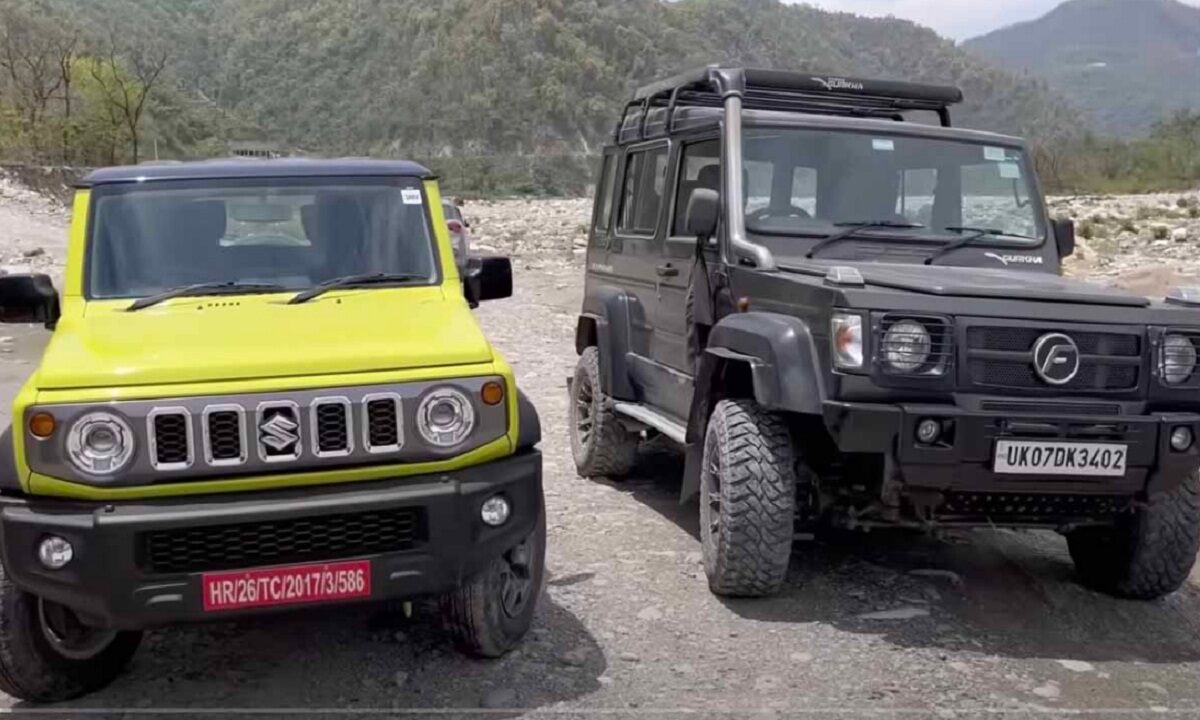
(985, 623)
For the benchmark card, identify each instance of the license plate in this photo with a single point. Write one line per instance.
(287, 585)
(1025, 457)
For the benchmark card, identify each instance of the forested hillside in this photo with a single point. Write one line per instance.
(1127, 63)
(472, 77)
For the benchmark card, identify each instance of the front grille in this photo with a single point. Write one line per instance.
(310, 539)
(1025, 408)
(1030, 507)
(383, 427)
(1000, 356)
(171, 439)
(333, 430)
(225, 435)
(1021, 339)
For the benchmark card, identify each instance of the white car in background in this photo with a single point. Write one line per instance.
(458, 227)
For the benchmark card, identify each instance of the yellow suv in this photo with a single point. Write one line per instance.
(265, 389)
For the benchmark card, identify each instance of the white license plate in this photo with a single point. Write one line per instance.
(1027, 457)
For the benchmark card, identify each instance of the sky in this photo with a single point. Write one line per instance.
(957, 19)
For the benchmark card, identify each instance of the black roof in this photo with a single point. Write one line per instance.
(237, 168)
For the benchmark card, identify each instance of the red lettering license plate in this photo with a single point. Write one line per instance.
(289, 585)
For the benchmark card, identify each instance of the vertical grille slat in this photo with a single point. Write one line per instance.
(170, 435)
(382, 423)
(331, 427)
(225, 436)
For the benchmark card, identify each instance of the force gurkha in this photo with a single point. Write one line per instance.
(265, 389)
(848, 317)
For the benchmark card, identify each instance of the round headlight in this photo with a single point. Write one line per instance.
(100, 443)
(1178, 359)
(445, 417)
(906, 346)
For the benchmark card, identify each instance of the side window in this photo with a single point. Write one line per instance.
(642, 191)
(759, 175)
(914, 202)
(701, 168)
(604, 199)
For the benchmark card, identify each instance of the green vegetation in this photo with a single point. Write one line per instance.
(498, 96)
(1168, 159)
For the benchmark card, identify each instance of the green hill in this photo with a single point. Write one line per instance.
(473, 77)
(1127, 63)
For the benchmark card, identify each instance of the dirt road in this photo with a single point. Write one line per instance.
(627, 626)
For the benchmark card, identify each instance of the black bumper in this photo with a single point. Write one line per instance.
(962, 462)
(118, 578)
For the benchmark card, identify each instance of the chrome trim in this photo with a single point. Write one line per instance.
(366, 422)
(152, 438)
(258, 419)
(244, 445)
(315, 428)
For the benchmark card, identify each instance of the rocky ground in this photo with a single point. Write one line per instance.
(986, 623)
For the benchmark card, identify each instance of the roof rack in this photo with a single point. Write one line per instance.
(787, 91)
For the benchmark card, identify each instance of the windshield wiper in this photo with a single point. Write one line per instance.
(854, 228)
(207, 288)
(347, 281)
(975, 234)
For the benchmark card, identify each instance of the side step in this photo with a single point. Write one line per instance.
(666, 425)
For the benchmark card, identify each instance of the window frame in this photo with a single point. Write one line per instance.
(619, 233)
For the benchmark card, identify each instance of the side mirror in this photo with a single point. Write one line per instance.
(1064, 235)
(487, 278)
(28, 299)
(703, 209)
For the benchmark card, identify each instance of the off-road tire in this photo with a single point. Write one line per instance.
(474, 614)
(1149, 553)
(31, 669)
(603, 448)
(747, 515)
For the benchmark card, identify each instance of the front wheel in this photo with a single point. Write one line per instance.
(490, 614)
(1148, 553)
(747, 500)
(48, 655)
(600, 444)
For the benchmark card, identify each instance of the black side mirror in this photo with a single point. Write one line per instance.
(703, 209)
(1064, 235)
(487, 278)
(28, 299)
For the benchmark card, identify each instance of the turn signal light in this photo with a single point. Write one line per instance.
(42, 425)
(492, 393)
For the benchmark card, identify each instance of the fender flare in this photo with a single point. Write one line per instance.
(605, 322)
(529, 426)
(785, 370)
(10, 479)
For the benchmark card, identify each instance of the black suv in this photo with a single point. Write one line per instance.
(848, 317)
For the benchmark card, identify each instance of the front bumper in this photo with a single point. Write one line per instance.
(117, 578)
(963, 463)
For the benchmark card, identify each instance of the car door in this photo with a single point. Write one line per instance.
(698, 166)
(634, 251)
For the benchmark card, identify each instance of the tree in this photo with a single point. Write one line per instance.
(126, 74)
(27, 59)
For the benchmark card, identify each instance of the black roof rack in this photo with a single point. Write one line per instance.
(790, 92)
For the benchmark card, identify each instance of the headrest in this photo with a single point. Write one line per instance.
(709, 177)
(202, 220)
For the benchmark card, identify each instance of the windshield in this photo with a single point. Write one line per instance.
(285, 232)
(809, 183)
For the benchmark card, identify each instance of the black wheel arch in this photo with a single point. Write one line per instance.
(768, 357)
(529, 425)
(605, 323)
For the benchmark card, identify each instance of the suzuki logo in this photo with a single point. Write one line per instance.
(278, 432)
(1056, 358)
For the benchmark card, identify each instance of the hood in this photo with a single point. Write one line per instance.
(955, 281)
(214, 339)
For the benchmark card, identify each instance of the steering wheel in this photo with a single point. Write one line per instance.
(766, 212)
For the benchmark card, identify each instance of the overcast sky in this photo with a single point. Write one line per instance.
(958, 19)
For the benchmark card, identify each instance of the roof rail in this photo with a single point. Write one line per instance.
(790, 92)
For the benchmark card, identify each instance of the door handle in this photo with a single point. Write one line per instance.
(667, 270)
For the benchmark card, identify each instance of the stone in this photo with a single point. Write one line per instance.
(1180, 234)
(1078, 666)
(574, 658)
(34, 252)
(902, 613)
(948, 575)
(650, 613)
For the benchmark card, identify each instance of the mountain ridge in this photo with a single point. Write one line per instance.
(1126, 63)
